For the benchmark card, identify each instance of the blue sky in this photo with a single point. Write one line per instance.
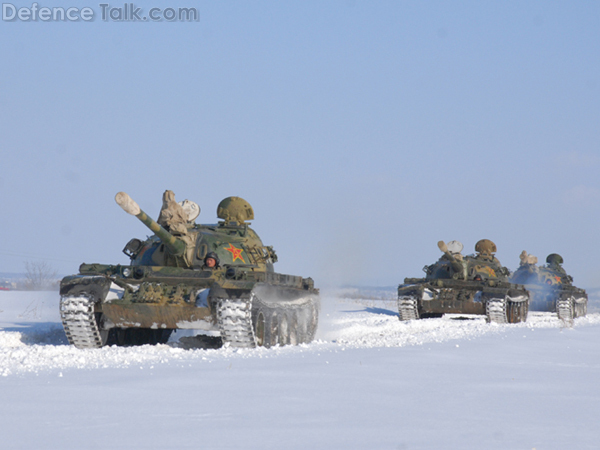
(361, 132)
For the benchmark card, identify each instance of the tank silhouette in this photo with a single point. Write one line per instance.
(215, 277)
(550, 288)
(464, 285)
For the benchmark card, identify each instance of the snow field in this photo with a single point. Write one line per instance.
(369, 381)
(35, 341)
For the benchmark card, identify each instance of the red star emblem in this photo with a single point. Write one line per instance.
(557, 279)
(236, 253)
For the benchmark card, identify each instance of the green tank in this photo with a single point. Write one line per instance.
(216, 277)
(550, 288)
(474, 284)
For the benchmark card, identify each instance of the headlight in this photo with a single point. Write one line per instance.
(126, 271)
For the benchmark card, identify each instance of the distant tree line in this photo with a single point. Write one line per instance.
(39, 275)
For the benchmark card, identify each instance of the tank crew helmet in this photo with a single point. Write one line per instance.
(235, 209)
(211, 255)
(485, 247)
(554, 259)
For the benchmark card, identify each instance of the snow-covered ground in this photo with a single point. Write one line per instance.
(369, 381)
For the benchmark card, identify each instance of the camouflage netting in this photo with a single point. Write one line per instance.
(172, 216)
(527, 258)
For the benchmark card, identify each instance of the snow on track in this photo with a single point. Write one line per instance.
(32, 338)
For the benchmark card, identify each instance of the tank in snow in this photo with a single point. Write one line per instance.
(186, 276)
(473, 284)
(550, 288)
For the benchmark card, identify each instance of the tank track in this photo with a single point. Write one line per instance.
(234, 317)
(83, 327)
(285, 324)
(407, 308)
(79, 321)
(248, 323)
(565, 308)
(580, 307)
(569, 307)
(496, 310)
(506, 310)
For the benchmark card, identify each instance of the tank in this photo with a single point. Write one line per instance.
(473, 284)
(550, 288)
(217, 277)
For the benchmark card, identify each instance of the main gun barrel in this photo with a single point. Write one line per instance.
(456, 265)
(175, 246)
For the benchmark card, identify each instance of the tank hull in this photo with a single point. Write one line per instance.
(121, 305)
(499, 301)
